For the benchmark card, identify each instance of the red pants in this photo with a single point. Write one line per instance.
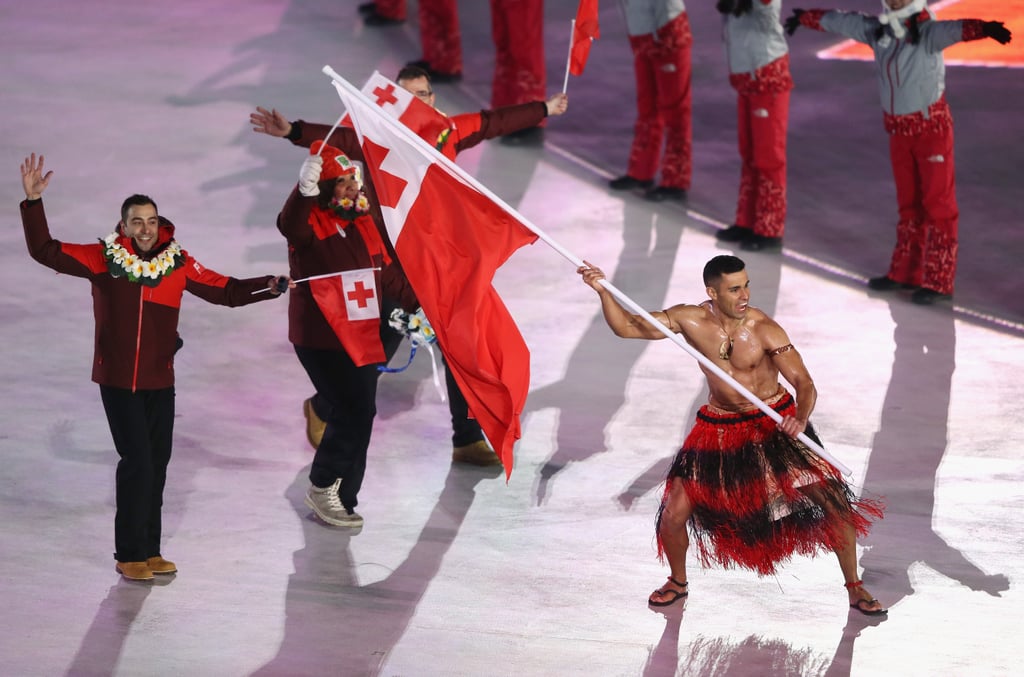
(439, 30)
(663, 105)
(926, 235)
(391, 9)
(517, 27)
(762, 120)
(440, 35)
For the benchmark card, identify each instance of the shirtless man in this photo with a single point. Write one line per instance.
(753, 495)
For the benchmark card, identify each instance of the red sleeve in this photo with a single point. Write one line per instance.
(222, 290)
(811, 18)
(472, 128)
(344, 138)
(293, 221)
(80, 260)
(973, 29)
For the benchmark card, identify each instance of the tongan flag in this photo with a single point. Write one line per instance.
(428, 123)
(450, 239)
(350, 304)
(585, 31)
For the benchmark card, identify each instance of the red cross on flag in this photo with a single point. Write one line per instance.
(427, 122)
(351, 306)
(450, 239)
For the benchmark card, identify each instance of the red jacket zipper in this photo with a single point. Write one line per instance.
(138, 339)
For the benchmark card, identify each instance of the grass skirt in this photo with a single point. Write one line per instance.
(758, 495)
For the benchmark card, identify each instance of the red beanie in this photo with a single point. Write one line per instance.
(336, 163)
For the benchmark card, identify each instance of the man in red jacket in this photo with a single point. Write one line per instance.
(138, 275)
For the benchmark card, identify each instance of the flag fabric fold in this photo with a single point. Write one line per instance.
(585, 31)
(450, 240)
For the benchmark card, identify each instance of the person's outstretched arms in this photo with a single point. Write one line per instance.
(33, 180)
(80, 260)
(623, 323)
(976, 29)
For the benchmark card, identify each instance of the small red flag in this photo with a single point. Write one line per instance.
(585, 31)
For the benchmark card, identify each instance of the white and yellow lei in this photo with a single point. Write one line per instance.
(123, 263)
(349, 209)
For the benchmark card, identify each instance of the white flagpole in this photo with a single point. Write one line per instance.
(336, 124)
(318, 277)
(568, 61)
(346, 88)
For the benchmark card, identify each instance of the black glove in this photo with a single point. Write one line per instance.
(793, 22)
(997, 31)
(726, 6)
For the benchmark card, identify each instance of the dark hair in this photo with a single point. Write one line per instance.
(136, 200)
(323, 200)
(735, 7)
(724, 264)
(411, 73)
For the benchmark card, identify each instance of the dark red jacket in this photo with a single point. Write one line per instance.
(136, 325)
(311, 253)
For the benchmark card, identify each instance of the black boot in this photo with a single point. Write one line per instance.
(627, 182)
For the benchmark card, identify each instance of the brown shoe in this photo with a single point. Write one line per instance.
(478, 453)
(158, 565)
(315, 427)
(134, 571)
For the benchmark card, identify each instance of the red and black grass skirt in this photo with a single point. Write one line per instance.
(758, 495)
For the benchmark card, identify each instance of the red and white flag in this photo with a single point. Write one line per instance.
(426, 121)
(585, 30)
(450, 239)
(351, 305)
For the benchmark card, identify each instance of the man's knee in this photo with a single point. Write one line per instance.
(677, 507)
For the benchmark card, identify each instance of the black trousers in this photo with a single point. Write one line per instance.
(142, 425)
(465, 430)
(345, 400)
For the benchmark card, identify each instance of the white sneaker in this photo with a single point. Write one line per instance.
(327, 506)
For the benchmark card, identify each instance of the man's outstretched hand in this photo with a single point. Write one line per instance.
(270, 122)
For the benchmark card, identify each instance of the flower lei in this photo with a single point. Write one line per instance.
(123, 263)
(348, 209)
